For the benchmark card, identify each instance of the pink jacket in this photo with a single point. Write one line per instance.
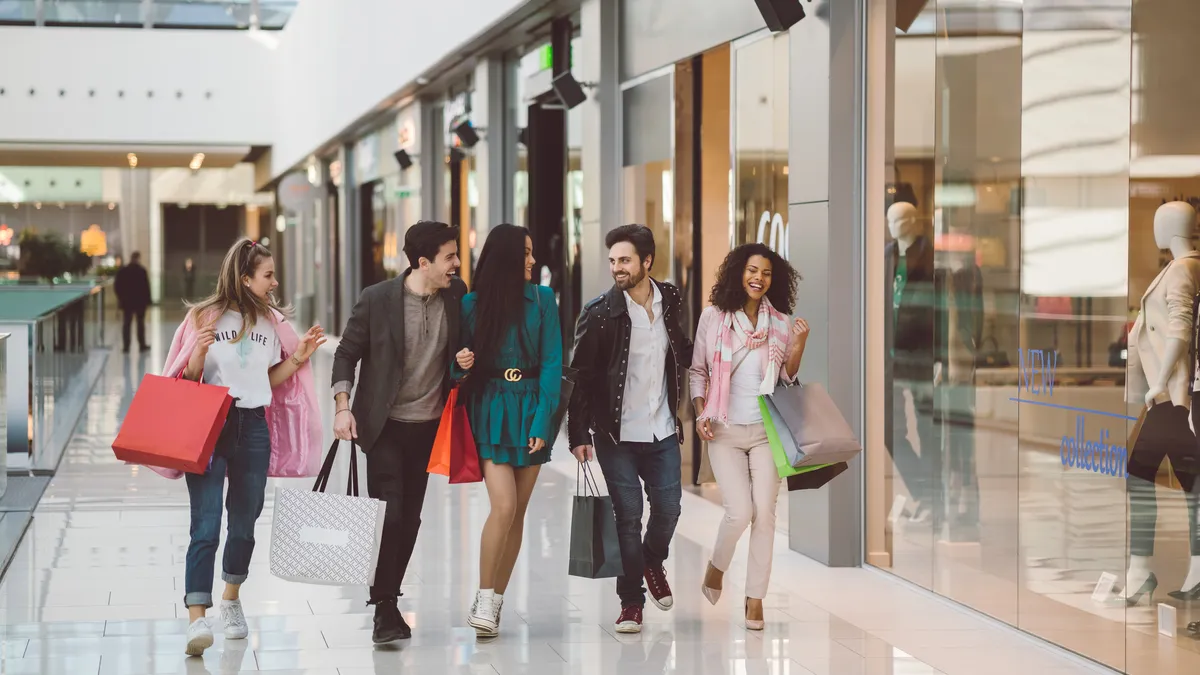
(294, 417)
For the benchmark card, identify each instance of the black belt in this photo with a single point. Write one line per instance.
(511, 374)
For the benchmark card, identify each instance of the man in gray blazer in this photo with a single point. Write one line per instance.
(404, 333)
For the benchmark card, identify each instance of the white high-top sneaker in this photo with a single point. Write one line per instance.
(483, 613)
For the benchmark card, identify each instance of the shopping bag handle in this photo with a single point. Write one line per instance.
(590, 487)
(327, 468)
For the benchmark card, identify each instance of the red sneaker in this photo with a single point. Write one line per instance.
(660, 590)
(630, 620)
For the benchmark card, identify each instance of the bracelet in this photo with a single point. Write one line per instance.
(296, 361)
(339, 412)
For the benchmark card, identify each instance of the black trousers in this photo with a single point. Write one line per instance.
(396, 473)
(128, 316)
(1165, 435)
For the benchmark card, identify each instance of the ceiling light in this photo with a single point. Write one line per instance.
(197, 161)
(112, 205)
(132, 160)
(37, 205)
(280, 223)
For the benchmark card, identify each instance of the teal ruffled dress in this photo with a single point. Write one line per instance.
(505, 415)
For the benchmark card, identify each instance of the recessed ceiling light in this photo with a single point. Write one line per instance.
(112, 205)
(197, 161)
(133, 160)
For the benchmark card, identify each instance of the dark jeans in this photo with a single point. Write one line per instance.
(917, 470)
(1165, 434)
(243, 453)
(128, 316)
(397, 473)
(626, 467)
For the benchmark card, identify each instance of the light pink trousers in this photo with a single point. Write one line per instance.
(741, 460)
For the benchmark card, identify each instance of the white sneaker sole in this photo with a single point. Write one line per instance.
(241, 634)
(483, 626)
(197, 645)
(665, 604)
(629, 628)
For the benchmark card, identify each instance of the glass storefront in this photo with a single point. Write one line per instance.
(1028, 151)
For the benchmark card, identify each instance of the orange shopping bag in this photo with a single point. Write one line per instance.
(439, 459)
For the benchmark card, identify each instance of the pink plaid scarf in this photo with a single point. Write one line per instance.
(772, 329)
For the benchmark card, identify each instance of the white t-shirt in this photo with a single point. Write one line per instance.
(744, 386)
(243, 365)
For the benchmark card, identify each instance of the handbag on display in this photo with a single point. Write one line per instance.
(328, 539)
(595, 551)
(173, 423)
(991, 358)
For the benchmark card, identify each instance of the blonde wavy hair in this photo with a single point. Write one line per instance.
(241, 263)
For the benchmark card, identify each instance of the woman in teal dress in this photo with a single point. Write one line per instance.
(511, 370)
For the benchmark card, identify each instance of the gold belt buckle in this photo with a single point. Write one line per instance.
(513, 375)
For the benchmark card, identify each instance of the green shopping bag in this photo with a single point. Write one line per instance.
(782, 465)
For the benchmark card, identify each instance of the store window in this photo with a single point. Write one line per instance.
(1026, 157)
(760, 167)
(648, 185)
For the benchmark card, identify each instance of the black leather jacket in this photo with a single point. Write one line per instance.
(601, 359)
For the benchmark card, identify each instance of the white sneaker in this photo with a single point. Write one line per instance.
(234, 619)
(498, 602)
(483, 613)
(199, 637)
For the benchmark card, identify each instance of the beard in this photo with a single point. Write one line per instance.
(630, 281)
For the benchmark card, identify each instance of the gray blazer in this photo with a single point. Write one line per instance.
(374, 337)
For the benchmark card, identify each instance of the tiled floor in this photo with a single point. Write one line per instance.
(96, 588)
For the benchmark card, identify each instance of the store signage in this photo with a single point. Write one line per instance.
(773, 232)
(1036, 371)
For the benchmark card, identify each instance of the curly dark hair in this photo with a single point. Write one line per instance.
(729, 295)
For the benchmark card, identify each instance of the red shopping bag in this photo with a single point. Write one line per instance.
(439, 458)
(173, 423)
(464, 456)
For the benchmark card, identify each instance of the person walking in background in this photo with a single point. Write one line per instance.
(630, 353)
(132, 286)
(402, 332)
(189, 279)
(745, 344)
(511, 366)
(240, 338)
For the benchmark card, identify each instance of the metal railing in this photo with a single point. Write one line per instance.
(52, 363)
(196, 14)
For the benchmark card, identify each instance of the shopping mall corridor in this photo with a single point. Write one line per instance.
(96, 588)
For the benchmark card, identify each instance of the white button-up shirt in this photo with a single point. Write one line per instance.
(646, 414)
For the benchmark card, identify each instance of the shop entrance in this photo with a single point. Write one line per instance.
(373, 219)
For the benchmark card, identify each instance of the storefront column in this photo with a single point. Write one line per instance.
(492, 180)
(601, 160)
(141, 230)
(349, 231)
(825, 241)
(432, 133)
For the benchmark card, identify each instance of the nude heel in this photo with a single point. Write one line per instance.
(710, 594)
(753, 624)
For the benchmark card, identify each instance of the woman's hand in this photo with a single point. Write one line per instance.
(536, 445)
(465, 358)
(800, 332)
(704, 430)
(309, 343)
(205, 337)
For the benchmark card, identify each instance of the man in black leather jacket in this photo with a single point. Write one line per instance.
(630, 353)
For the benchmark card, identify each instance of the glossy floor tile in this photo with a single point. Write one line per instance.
(97, 584)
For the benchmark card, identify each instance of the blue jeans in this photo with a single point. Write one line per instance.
(626, 467)
(243, 453)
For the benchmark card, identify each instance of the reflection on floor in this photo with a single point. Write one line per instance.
(96, 588)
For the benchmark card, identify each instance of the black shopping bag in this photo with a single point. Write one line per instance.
(595, 553)
(815, 479)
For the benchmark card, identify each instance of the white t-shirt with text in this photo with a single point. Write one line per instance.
(244, 366)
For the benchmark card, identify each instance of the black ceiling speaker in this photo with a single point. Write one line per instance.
(907, 12)
(403, 159)
(569, 91)
(466, 133)
(780, 15)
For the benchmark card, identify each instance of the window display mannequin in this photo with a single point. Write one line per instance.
(915, 369)
(1160, 375)
(964, 319)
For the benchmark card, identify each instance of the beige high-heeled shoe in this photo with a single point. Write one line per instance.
(752, 624)
(710, 594)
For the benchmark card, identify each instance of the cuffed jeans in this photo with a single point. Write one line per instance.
(626, 467)
(243, 453)
(741, 460)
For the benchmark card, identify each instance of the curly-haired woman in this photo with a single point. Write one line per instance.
(745, 344)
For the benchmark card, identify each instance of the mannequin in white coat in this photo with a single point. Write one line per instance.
(1160, 371)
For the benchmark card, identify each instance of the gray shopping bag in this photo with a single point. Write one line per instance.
(795, 456)
(815, 423)
(595, 552)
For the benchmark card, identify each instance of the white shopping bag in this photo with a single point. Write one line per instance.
(321, 538)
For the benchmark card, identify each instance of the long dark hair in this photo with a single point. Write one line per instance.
(499, 287)
(729, 295)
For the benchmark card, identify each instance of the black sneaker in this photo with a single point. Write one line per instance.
(389, 623)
